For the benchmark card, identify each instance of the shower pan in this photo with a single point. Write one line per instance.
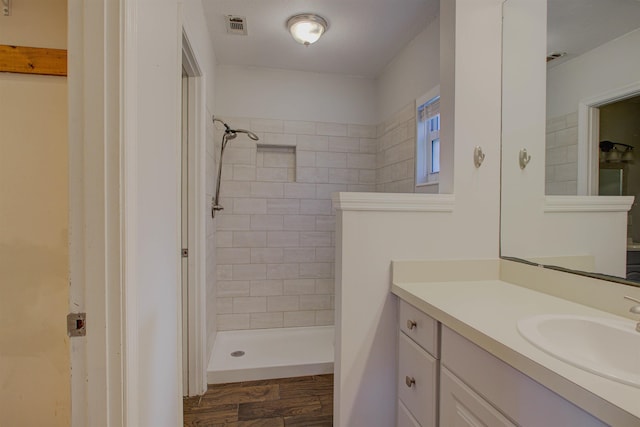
(228, 135)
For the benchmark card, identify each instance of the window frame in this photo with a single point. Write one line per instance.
(424, 175)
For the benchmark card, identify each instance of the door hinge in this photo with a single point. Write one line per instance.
(185, 252)
(77, 324)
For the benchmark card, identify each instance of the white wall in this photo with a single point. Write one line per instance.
(611, 66)
(412, 72)
(294, 95)
(526, 230)
(366, 319)
(35, 386)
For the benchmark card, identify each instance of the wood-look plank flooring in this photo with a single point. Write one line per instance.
(284, 402)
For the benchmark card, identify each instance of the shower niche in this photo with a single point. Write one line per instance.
(275, 163)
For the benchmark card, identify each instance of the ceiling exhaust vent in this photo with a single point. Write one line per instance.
(236, 25)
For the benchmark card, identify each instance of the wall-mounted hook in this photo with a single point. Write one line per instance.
(524, 158)
(478, 156)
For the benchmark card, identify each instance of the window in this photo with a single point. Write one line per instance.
(428, 141)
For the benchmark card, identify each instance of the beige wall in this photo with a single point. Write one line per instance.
(34, 352)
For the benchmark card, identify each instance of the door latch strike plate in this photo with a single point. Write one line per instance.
(77, 324)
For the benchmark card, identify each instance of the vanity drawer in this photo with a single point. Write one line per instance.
(417, 381)
(405, 419)
(419, 327)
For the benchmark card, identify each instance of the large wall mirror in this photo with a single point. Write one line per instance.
(578, 117)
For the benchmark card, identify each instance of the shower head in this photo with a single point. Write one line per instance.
(232, 133)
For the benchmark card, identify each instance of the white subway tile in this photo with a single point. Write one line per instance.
(249, 239)
(362, 131)
(267, 189)
(224, 239)
(283, 206)
(263, 288)
(299, 127)
(249, 305)
(299, 254)
(325, 317)
(232, 322)
(282, 239)
(368, 146)
(224, 272)
(239, 156)
(249, 206)
(331, 160)
(312, 175)
(343, 144)
(233, 255)
(280, 139)
(363, 161)
(299, 222)
(282, 303)
(243, 173)
(324, 286)
(249, 272)
(299, 191)
(224, 305)
(236, 189)
(266, 222)
(367, 176)
(331, 129)
(312, 143)
(315, 238)
(324, 191)
(299, 287)
(316, 270)
(282, 271)
(232, 222)
(343, 176)
(312, 302)
(315, 207)
(369, 188)
(266, 320)
(325, 223)
(278, 158)
(266, 255)
(326, 254)
(272, 175)
(294, 319)
(233, 288)
(305, 158)
(266, 125)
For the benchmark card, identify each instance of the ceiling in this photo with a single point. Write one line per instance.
(363, 35)
(577, 26)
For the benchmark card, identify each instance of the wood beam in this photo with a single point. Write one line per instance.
(33, 60)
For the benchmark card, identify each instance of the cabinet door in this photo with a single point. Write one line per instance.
(461, 407)
(417, 382)
(405, 419)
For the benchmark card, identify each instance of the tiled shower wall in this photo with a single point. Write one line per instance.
(275, 237)
(561, 176)
(396, 152)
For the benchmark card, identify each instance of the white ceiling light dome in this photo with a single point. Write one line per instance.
(306, 28)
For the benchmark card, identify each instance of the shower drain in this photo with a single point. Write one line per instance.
(237, 353)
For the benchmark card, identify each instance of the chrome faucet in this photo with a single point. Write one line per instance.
(635, 309)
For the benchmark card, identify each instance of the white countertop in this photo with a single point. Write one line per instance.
(486, 312)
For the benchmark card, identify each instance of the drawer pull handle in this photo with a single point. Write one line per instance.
(411, 324)
(410, 381)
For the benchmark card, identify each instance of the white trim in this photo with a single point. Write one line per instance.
(566, 204)
(431, 93)
(130, 197)
(588, 134)
(197, 218)
(387, 202)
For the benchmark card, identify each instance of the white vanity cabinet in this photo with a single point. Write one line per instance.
(477, 389)
(418, 369)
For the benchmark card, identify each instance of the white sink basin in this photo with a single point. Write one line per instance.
(605, 347)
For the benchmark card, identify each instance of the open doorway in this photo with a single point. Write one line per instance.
(193, 213)
(618, 168)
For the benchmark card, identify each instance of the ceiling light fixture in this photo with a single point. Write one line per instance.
(611, 152)
(307, 28)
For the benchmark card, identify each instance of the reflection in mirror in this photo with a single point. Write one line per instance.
(592, 143)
